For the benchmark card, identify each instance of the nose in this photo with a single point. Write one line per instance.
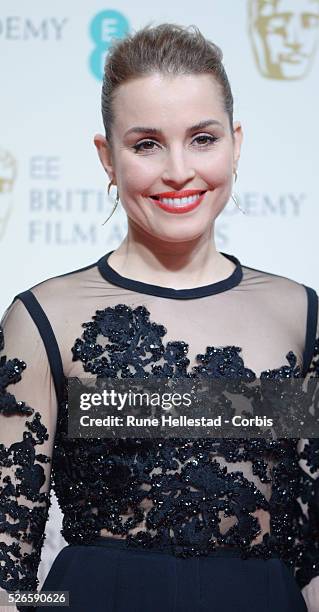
(293, 33)
(178, 171)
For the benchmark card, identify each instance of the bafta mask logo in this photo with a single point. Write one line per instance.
(284, 36)
(8, 173)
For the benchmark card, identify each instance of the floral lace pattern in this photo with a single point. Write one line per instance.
(104, 484)
(24, 523)
(116, 477)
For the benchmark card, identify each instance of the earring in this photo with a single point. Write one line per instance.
(116, 200)
(233, 197)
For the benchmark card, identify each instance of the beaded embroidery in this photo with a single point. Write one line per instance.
(102, 484)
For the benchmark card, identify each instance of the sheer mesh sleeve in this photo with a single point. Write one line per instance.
(257, 495)
(308, 566)
(28, 408)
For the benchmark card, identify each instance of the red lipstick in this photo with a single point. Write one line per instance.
(179, 208)
(177, 194)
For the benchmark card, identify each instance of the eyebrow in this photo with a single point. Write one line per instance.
(152, 130)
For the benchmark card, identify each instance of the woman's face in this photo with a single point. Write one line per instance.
(170, 135)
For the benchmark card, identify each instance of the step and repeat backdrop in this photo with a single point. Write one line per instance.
(53, 190)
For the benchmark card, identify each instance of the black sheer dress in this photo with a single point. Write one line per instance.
(176, 524)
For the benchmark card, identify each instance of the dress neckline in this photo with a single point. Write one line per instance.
(195, 292)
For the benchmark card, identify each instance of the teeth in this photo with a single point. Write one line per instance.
(179, 201)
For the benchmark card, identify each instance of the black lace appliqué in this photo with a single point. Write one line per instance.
(105, 484)
(21, 480)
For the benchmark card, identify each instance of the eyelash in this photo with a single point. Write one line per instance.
(212, 140)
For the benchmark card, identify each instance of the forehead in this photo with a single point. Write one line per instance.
(170, 99)
(272, 7)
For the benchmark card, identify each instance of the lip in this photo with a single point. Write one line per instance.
(176, 194)
(180, 209)
(293, 59)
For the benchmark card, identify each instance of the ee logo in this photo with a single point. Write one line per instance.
(104, 27)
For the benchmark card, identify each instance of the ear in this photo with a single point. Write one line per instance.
(105, 155)
(237, 139)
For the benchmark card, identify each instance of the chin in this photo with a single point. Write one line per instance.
(179, 235)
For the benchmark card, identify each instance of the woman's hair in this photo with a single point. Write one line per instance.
(169, 49)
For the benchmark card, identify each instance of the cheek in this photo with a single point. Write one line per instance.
(275, 44)
(216, 171)
(138, 173)
(309, 40)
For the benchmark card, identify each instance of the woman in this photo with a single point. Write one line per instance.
(177, 524)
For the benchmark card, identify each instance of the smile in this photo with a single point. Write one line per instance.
(178, 205)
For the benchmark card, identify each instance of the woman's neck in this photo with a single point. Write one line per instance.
(178, 265)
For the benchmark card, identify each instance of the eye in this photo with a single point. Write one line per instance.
(277, 25)
(149, 145)
(205, 139)
(140, 146)
(310, 21)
